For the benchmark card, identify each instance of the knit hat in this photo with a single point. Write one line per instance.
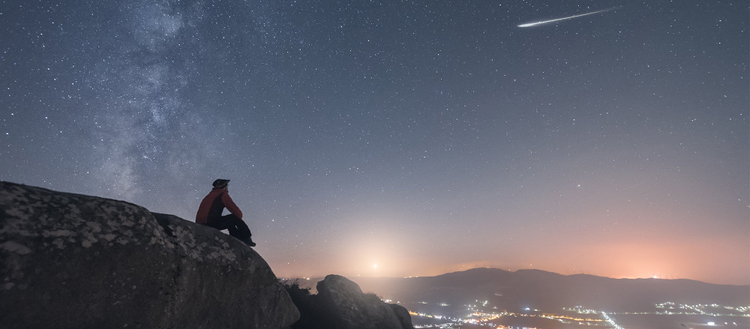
(221, 183)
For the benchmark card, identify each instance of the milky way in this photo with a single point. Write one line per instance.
(421, 136)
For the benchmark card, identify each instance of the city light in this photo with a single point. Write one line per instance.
(583, 316)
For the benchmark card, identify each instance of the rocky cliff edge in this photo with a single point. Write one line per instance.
(76, 261)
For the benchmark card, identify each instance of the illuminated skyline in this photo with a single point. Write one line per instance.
(424, 137)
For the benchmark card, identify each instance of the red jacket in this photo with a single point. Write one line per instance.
(213, 205)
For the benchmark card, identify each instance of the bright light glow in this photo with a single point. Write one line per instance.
(374, 265)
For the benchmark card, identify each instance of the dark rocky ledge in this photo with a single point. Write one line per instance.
(341, 304)
(76, 261)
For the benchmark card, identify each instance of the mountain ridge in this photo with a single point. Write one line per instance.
(550, 290)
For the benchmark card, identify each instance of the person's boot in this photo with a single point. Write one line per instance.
(249, 242)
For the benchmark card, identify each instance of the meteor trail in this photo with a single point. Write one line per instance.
(564, 18)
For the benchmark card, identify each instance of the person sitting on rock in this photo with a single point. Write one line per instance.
(212, 206)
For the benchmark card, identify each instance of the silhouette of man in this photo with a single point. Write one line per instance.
(212, 206)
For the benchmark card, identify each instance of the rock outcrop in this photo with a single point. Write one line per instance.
(340, 304)
(75, 261)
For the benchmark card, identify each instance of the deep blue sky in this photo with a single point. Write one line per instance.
(421, 136)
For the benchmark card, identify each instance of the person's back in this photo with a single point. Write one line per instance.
(212, 206)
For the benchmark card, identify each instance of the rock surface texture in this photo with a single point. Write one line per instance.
(348, 308)
(76, 261)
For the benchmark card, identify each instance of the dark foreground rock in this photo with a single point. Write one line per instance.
(340, 304)
(75, 261)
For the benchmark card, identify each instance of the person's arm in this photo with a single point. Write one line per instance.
(229, 203)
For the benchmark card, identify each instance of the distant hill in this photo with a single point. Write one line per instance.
(552, 291)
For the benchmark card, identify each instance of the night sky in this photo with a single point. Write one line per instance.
(402, 138)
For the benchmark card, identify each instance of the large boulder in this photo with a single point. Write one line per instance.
(348, 308)
(76, 261)
(403, 316)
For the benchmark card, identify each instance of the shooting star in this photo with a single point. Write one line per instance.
(566, 18)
